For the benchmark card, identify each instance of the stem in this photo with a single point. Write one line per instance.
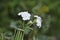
(2, 38)
(13, 38)
(23, 31)
(34, 37)
(18, 35)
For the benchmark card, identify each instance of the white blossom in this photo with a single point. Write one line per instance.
(38, 21)
(25, 15)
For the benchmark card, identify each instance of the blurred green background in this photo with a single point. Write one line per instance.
(49, 10)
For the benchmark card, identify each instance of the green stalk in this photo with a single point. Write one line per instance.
(13, 37)
(23, 31)
(19, 35)
(34, 37)
(2, 37)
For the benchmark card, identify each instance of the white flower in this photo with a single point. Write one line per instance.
(25, 15)
(38, 21)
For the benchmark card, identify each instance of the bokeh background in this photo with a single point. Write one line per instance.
(49, 10)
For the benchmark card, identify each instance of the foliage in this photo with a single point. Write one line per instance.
(49, 10)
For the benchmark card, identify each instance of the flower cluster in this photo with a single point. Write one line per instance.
(38, 21)
(26, 16)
